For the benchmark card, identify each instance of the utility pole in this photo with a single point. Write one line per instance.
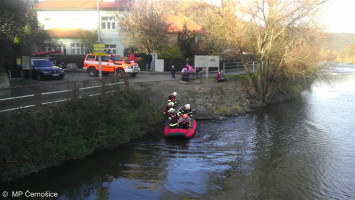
(98, 35)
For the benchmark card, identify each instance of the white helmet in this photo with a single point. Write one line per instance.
(171, 104)
(174, 93)
(171, 110)
(187, 106)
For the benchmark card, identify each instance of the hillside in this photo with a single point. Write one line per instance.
(340, 41)
(340, 47)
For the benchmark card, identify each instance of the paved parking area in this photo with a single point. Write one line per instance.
(143, 76)
(80, 75)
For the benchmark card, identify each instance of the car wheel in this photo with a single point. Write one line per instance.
(92, 72)
(133, 75)
(120, 72)
(105, 74)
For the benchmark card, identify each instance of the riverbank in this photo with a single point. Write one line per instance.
(208, 99)
(37, 138)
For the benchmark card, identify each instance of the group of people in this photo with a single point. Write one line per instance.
(181, 118)
(149, 59)
(220, 76)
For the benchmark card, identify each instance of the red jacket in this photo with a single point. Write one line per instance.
(132, 57)
(172, 98)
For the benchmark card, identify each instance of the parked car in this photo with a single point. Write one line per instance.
(42, 68)
(110, 63)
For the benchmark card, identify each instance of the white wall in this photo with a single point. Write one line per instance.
(86, 20)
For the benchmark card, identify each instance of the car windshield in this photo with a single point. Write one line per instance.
(116, 57)
(42, 63)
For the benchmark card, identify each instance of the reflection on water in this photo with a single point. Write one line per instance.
(299, 149)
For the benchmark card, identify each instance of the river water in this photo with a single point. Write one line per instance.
(299, 149)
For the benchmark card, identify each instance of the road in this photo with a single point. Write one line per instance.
(142, 76)
(80, 75)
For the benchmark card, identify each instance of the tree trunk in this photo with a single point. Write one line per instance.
(266, 75)
(247, 71)
(259, 78)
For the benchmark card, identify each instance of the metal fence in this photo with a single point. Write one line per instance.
(20, 97)
(239, 66)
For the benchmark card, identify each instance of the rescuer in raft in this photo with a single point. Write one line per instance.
(173, 118)
(172, 98)
(186, 110)
(167, 108)
(184, 121)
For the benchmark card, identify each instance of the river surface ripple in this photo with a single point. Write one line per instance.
(299, 149)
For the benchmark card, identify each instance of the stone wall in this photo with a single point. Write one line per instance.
(208, 99)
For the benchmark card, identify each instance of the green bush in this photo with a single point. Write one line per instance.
(48, 135)
(167, 51)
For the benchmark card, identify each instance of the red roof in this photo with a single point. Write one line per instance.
(176, 24)
(67, 32)
(81, 4)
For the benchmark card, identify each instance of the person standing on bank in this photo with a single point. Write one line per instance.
(132, 58)
(173, 70)
(149, 60)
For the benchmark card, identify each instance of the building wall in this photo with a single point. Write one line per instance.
(87, 20)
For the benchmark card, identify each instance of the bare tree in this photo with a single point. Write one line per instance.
(88, 39)
(143, 26)
(280, 33)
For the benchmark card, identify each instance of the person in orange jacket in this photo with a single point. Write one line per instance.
(184, 121)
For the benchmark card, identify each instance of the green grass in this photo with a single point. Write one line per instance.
(48, 135)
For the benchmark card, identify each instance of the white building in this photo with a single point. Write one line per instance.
(69, 20)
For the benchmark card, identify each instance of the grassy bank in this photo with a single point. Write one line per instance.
(45, 136)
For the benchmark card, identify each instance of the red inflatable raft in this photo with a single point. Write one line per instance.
(180, 132)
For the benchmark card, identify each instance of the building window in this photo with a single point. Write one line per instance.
(108, 23)
(76, 49)
(46, 47)
(62, 48)
(110, 48)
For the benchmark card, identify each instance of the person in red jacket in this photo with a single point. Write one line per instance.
(132, 58)
(173, 118)
(167, 108)
(184, 121)
(186, 110)
(172, 98)
(220, 76)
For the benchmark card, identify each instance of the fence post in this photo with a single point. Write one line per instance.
(207, 72)
(103, 82)
(38, 97)
(126, 82)
(75, 91)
